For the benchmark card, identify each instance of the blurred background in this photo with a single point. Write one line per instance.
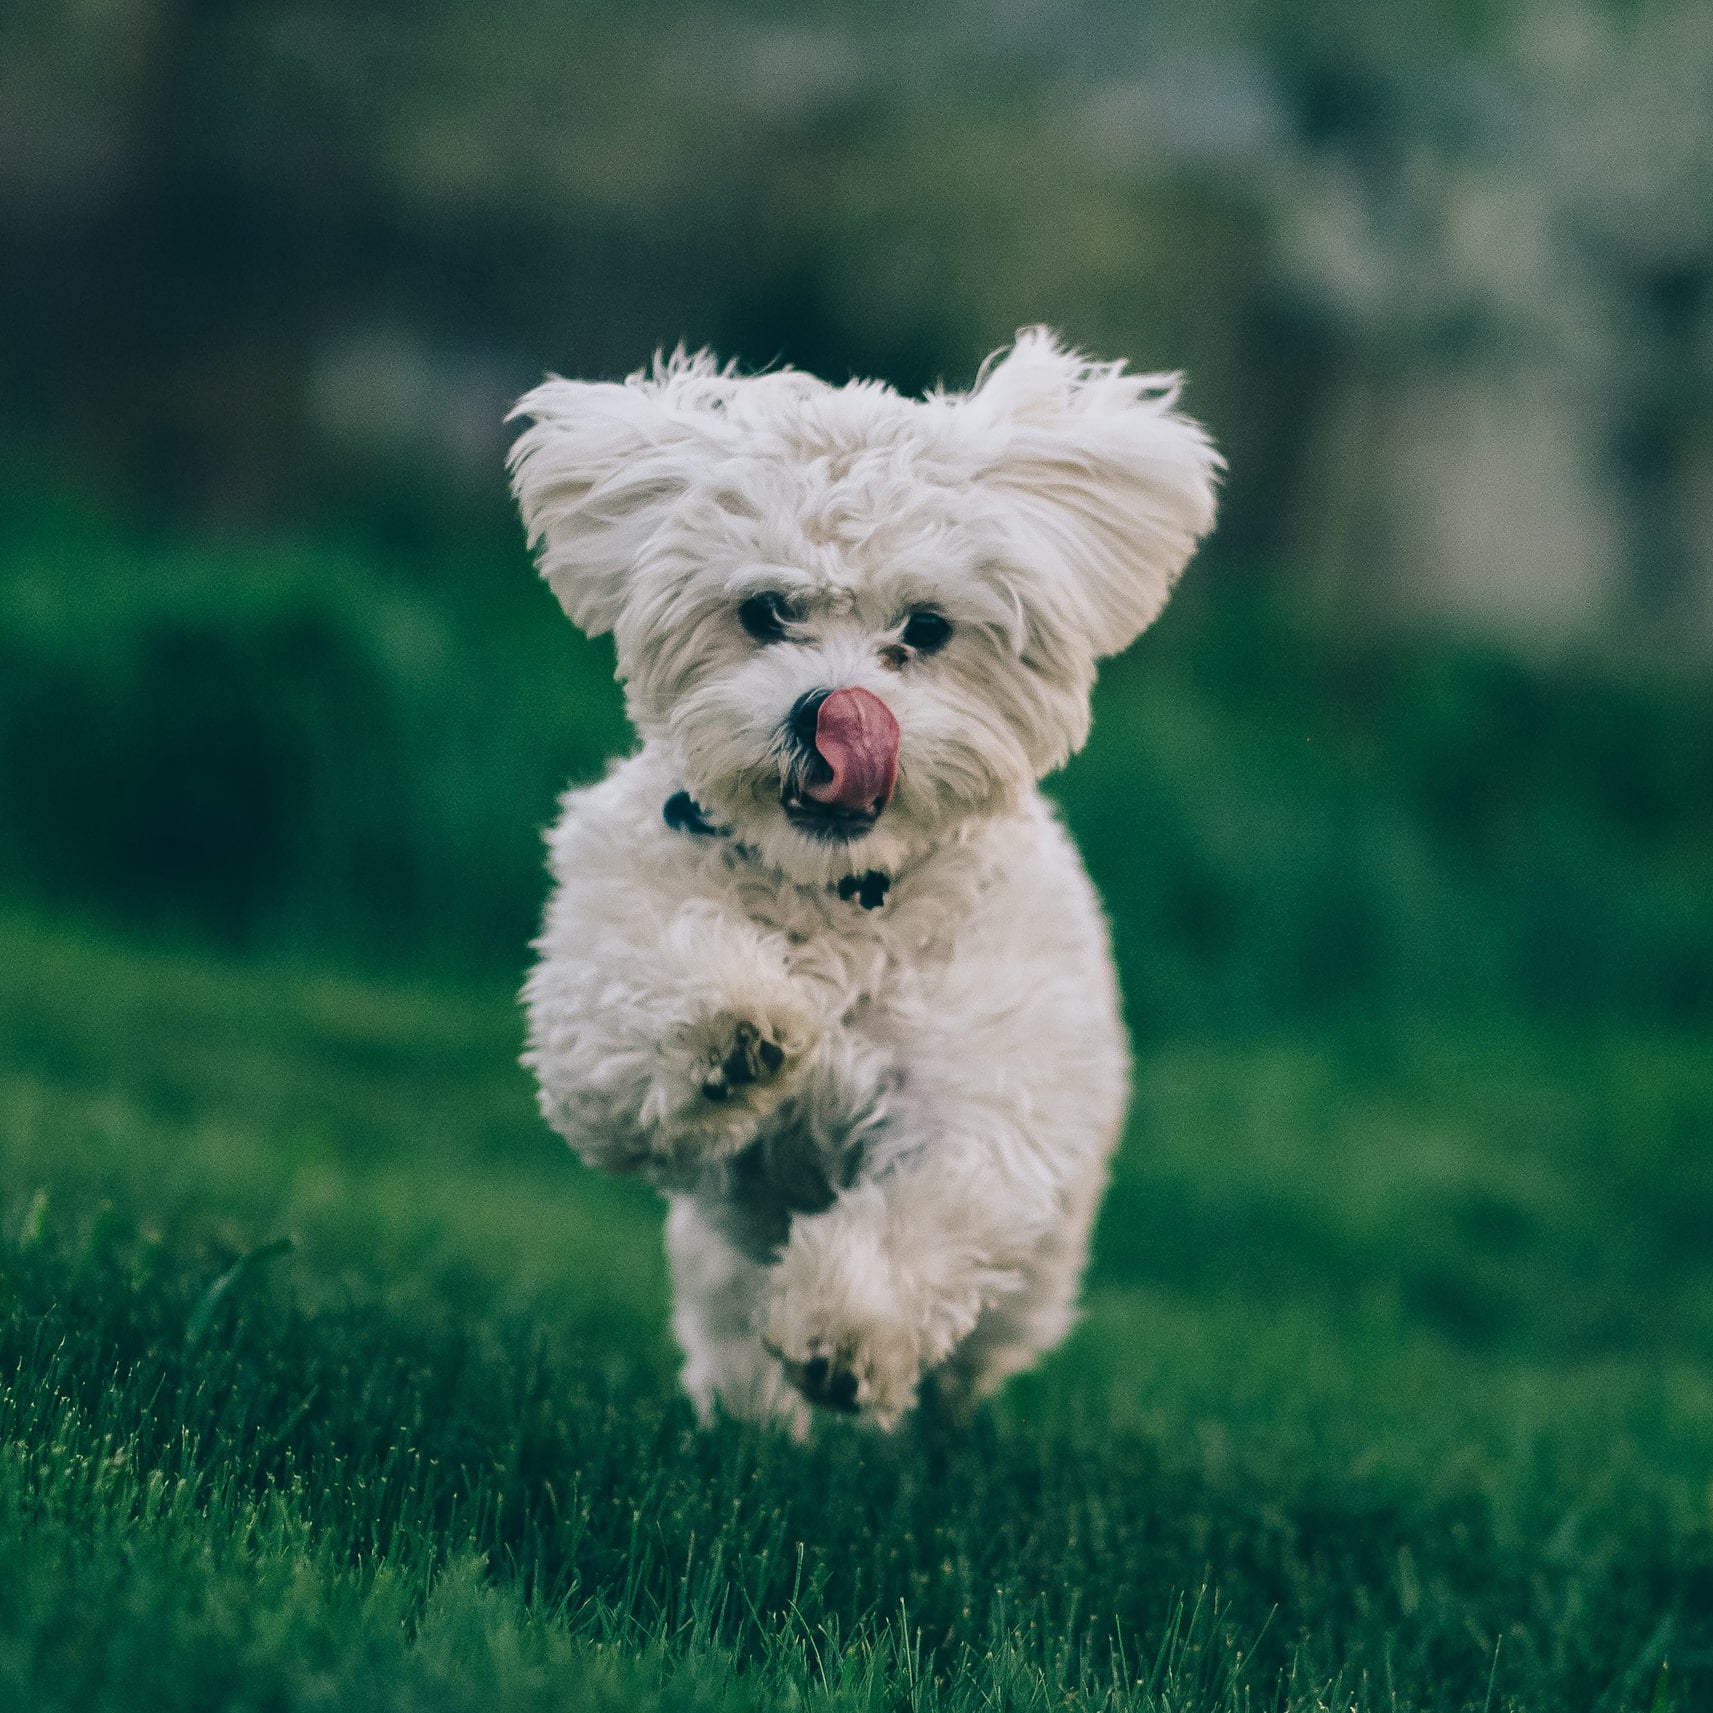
(1433, 716)
(1426, 742)
(1439, 273)
(1403, 812)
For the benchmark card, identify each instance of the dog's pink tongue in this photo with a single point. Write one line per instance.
(857, 737)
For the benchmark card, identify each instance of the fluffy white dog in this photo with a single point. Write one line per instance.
(821, 963)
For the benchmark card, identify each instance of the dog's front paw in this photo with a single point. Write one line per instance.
(716, 1077)
(739, 1062)
(870, 1372)
(856, 1352)
(739, 1056)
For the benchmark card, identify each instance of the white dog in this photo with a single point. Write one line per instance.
(821, 963)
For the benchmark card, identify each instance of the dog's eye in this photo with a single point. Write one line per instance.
(764, 616)
(926, 631)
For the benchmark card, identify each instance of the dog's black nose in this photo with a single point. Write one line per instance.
(804, 713)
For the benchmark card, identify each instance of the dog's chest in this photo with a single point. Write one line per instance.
(863, 961)
(873, 970)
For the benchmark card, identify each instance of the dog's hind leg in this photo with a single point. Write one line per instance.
(716, 1291)
(1020, 1326)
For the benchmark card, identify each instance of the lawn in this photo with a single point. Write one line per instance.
(331, 1381)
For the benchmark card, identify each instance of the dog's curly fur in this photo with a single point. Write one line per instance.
(881, 1110)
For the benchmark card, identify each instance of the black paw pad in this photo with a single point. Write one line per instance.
(745, 1062)
(752, 1058)
(832, 1388)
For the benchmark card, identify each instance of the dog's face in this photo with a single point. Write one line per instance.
(856, 620)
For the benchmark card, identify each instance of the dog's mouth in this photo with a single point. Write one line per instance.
(826, 820)
(846, 764)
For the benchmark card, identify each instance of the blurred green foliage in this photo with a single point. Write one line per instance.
(1290, 821)
(1441, 275)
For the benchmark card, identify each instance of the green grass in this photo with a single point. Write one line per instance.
(1393, 1392)
(329, 1381)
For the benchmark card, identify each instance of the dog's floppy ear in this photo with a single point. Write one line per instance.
(593, 473)
(1097, 471)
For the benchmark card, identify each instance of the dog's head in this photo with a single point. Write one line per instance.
(855, 619)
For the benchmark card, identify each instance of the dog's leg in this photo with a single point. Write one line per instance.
(1015, 1329)
(965, 1234)
(661, 1055)
(716, 1292)
(959, 1248)
(886, 1285)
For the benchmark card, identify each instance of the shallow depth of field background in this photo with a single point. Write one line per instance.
(329, 1379)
